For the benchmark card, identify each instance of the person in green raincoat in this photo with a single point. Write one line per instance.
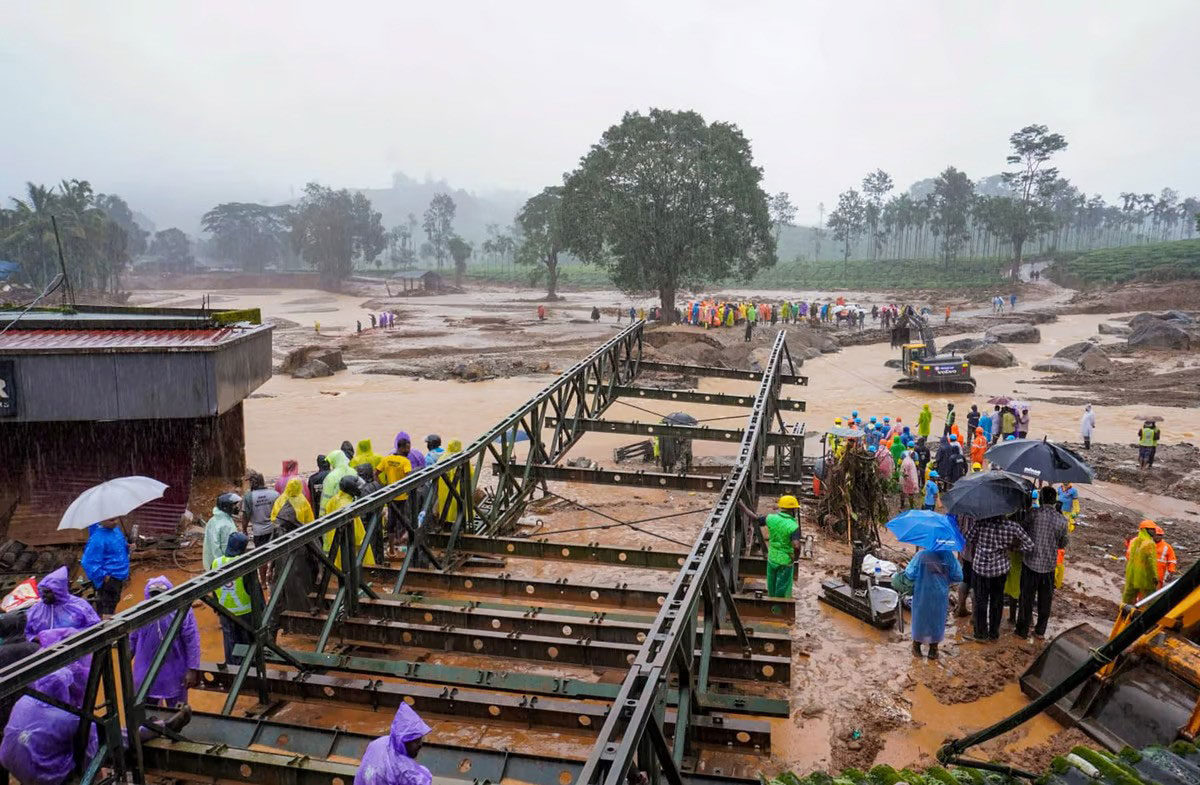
(339, 467)
(1012, 586)
(897, 451)
(924, 422)
(1141, 565)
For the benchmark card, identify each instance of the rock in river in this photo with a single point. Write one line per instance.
(991, 355)
(1014, 333)
(1057, 365)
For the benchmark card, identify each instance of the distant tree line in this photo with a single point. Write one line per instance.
(1030, 207)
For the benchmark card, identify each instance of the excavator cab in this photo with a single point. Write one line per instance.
(1149, 694)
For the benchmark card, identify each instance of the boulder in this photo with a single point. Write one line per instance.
(1158, 334)
(895, 362)
(1074, 351)
(1179, 316)
(314, 369)
(991, 355)
(962, 346)
(1096, 361)
(298, 358)
(1013, 333)
(1104, 328)
(1057, 365)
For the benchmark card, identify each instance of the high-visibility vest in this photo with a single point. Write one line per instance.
(233, 595)
(1166, 560)
(1149, 437)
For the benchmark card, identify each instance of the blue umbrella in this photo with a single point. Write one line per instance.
(928, 529)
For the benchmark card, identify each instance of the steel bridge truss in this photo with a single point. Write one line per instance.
(698, 628)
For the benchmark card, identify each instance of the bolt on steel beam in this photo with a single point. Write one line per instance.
(516, 681)
(466, 703)
(620, 596)
(695, 396)
(543, 648)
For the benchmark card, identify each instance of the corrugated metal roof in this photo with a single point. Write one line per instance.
(83, 341)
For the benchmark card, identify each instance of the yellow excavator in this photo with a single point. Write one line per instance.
(1143, 693)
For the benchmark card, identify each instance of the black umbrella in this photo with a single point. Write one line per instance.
(987, 494)
(1040, 459)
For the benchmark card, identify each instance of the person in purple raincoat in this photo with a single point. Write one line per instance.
(415, 457)
(178, 671)
(38, 744)
(389, 760)
(57, 607)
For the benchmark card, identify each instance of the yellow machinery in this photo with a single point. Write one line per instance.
(1141, 694)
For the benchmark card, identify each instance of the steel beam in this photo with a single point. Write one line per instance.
(620, 596)
(703, 483)
(645, 557)
(699, 432)
(695, 396)
(517, 682)
(722, 373)
(218, 750)
(549, 623)
(462, 703)
(540, 648)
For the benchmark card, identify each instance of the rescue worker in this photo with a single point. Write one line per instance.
(951, 415)
(1148, 436)
(447, 504)
(57, 608)
(985, 422)
(220, 526)
(1069, 496)
(1008, 423)
(315, 482)
(924, 422)
(293, 494)
(364, 454)
(782, 533)
(1165, 556)
(339, 467)
(392, 469)
(972, 419)
(1141, 564)
(38, 746)
(931, 491)
(350, 488)
(256, 510)
(291, 468)
(433, 449)
(978, 447)
(234, 597)
(178, 671)
(106, 563)
(391, 759)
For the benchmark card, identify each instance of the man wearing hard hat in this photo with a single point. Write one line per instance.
(782, 533)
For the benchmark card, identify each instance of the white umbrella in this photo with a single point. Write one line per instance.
(110, 500)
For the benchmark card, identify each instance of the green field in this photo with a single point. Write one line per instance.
(1155, 262)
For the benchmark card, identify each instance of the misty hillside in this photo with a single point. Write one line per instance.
(475, 210)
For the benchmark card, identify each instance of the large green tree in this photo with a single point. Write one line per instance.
(332, 228)
(540, 220)
(174, 250)
(876, 187)
(953, 194)
(666, 200)
(251, 235)
(439, 226)
(460, 251)
(1033, 183)
(847, 220)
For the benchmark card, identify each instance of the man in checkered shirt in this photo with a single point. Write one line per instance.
(1048, 529)
(992, 539)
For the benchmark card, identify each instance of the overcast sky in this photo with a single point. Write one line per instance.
(177, 105)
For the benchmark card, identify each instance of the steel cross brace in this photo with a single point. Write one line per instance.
(695, 396)
(700, 432)
(634, 735)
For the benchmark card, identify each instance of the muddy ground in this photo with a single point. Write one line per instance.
(848, 677)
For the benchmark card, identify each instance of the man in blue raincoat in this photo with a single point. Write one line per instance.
(931, 573)
(106, 562)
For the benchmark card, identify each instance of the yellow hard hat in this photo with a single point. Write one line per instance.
(837, 420)
(788, 502)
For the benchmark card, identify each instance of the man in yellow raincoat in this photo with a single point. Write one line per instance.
(293, 494)
(447, 505)
(349, 489)
(1141, 564)
(364, 454)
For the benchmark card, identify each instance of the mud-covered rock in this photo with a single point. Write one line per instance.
(1057, 365)
(313, 369)
(296, 359)
(895, 362)
(1013, 333)
(1096, 361)
(1158, 334)
(991, 355)
(1104, 328)
(1075, 351)
(962, 345)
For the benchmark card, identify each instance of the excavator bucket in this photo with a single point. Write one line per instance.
(1144, 701)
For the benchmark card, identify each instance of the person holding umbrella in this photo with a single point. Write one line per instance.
(106, 563)
(992, 539)
(931, 572)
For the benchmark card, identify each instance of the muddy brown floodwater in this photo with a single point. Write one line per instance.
(858, 695)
